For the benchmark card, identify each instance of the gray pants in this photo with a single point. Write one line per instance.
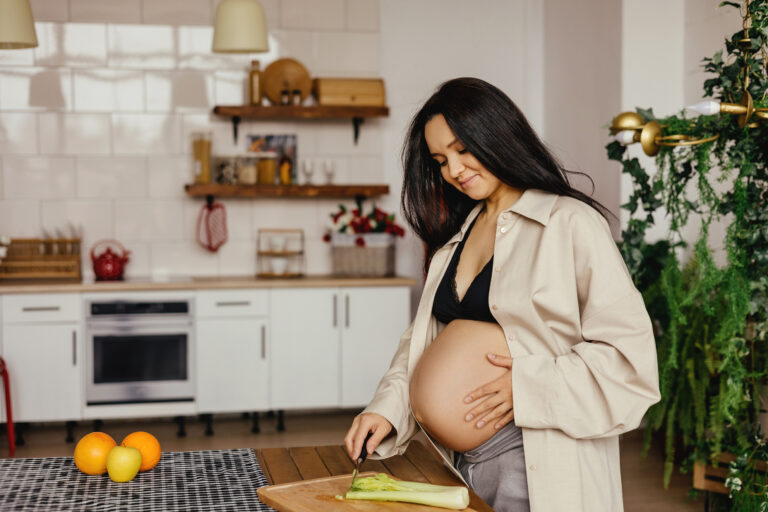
(495, 470)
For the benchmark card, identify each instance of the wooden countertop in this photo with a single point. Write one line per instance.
(205, 283)
(418, 464)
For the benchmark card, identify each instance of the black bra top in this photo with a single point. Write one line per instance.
(474, 304)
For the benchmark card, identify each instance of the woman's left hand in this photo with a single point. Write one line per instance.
(498, 404)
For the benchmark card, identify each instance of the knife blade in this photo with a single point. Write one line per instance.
(360, 459)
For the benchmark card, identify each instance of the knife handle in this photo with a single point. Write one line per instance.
(363, 450)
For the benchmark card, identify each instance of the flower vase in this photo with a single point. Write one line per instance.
(363, 255)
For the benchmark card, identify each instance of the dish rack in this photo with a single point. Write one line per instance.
(42, 259)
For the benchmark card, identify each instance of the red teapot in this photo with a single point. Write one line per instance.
(109, 266)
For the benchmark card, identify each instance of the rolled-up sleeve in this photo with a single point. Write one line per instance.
(391, 401)
(607, 380)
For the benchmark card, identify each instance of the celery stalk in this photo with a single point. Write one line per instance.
(383, 488)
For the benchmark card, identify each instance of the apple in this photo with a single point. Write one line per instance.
(123, 463)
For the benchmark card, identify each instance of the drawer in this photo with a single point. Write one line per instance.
(34, 308)
(232, 303)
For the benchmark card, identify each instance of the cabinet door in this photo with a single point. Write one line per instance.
(45, 368)
(305, 347)
(374, 320)
(233, 367)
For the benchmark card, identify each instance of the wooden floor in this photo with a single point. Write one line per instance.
(641, 478)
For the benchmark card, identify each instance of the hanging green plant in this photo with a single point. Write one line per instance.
(711, 320)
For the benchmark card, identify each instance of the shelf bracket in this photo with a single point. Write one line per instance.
(356, 122)
(235, 124)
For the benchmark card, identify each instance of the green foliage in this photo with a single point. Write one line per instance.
(711, 321)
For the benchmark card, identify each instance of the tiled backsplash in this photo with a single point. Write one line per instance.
(95, 125)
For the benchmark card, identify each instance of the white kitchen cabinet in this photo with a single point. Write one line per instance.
(232, 351)
(305, 348)
(333, 345)
(374, 320)
(43, 350)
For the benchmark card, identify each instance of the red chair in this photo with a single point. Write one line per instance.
(8, 413)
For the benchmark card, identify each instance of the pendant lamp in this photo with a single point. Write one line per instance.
(240, 27)
(17, 27)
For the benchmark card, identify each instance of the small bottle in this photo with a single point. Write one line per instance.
(285, 170)
(285, 97)
(296, 97)
(254, 83)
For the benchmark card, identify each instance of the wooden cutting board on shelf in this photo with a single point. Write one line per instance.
(317, 495)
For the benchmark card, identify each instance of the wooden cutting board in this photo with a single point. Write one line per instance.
(317, 495)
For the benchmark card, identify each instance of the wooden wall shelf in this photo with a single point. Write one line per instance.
(310, 191)
(275, 112)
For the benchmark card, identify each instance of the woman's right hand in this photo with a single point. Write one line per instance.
(362, 424)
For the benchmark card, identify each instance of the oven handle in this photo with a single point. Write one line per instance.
(146, 326)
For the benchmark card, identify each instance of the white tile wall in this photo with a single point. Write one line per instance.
(35, 89)
(142, 46)
(71, 44)
(95, 125)
(18, 134)
(50, 10)
(363, 15)
(177, 12)
(74, 134)
(111, 177)
(108, 90)
(312, 14)
(38, 177)
(113, 11)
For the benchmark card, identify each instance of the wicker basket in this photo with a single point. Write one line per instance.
(375, 259)
(42, 259)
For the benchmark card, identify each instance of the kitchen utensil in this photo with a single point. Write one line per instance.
(212, 225)
(363, 455)
(317, 495)
(285, 75)
(109, 266)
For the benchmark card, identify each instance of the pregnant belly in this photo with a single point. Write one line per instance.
(454, 364)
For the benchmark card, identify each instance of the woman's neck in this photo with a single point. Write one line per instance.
(501, 199)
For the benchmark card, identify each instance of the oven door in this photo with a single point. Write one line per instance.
(132, 361)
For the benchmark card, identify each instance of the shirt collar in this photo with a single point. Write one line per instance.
(535, 204)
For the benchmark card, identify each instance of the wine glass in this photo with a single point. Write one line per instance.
(329, 168)
(307, 168)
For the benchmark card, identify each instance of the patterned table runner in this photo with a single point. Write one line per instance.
(182, 481)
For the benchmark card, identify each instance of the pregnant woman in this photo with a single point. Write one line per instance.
(531, 349)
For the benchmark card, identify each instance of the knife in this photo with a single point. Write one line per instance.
(360, 458)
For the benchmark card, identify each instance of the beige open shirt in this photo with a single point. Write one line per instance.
(585, 366)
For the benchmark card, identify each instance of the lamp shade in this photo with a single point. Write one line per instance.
(240, 27)
(17, 27)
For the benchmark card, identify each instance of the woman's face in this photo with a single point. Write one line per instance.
(457, 165)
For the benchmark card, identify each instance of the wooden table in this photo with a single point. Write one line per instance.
(419, 464)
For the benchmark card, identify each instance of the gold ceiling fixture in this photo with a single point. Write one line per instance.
(630, 127)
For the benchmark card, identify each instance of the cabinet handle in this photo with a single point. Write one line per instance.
(234, 303)
(263, 341)
(335, 309)
(346, 311)
(74, 348)
(35, 309)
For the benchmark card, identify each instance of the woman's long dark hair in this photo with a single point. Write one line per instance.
(492, 128)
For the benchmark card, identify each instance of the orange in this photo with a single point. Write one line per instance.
(91, 453)
(148, 445)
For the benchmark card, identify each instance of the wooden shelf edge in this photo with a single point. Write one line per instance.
(311, 191)
(299, 112)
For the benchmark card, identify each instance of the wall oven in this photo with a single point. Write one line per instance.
(139, 351)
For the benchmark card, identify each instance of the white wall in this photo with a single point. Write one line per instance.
(426, 42)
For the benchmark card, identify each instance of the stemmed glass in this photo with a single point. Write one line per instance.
(307, 168)
(329, 168)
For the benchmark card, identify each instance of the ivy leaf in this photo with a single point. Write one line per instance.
(732, 4)
(646, 113)
(615, 151)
